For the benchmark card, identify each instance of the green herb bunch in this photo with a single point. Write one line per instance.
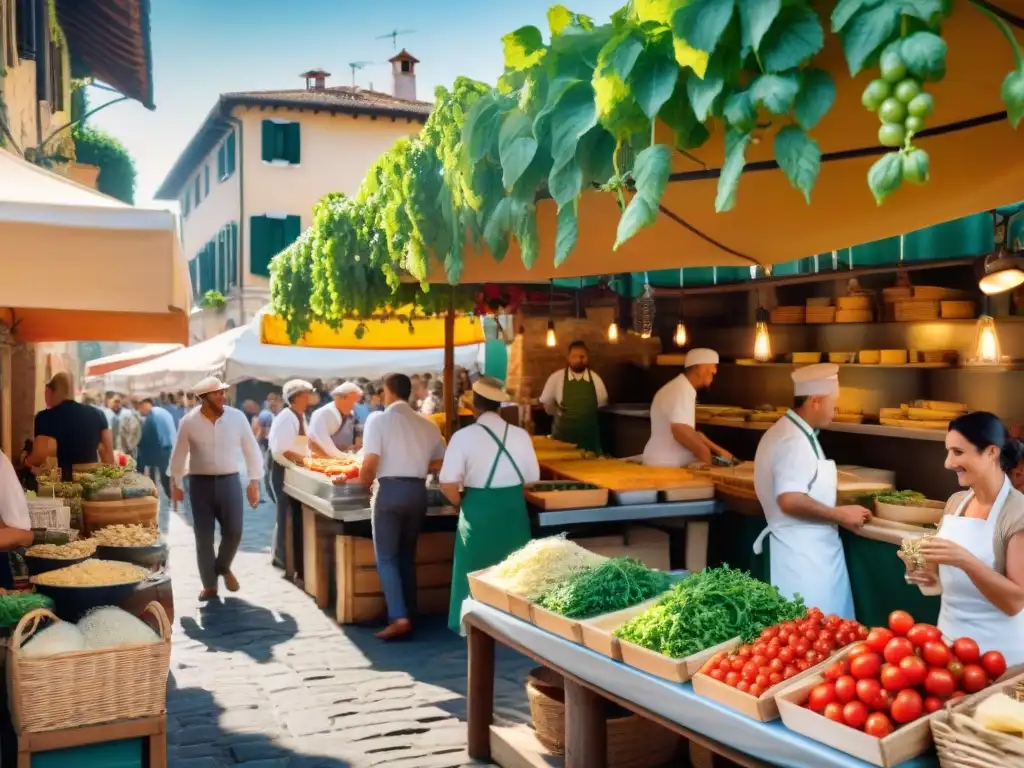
(709, 608)
(611, 586)
(17, 604)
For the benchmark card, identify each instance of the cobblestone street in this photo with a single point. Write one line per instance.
(265, 679)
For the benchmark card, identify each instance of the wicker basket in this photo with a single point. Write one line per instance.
(633, 741)
(70, 690)
(962, 743)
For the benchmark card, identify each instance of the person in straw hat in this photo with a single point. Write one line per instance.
(211, 440)
(483, 474)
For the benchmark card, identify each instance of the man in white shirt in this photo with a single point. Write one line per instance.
(400, 447)
(484, 471)
(288, 442)
(15, 521)
(674, 440)
(332, 428)
(573, 395)
(208, 443)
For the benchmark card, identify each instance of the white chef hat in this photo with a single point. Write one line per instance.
(821, 379)
(208, 385)
(294, 387)
(346, 388)
(701, 356)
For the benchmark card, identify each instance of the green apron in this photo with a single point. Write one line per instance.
(576, 421)
(493, 523)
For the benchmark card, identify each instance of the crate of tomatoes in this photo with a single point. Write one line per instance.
(747, 678)
(876, 701)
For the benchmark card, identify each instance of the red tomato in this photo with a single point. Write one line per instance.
(994, 664)
(758, 649)
(738, 662)
(743, 686)
(776, 665)
(932, 704)
(834, 671)
(957, 695)
(900, 622)
(731, 678)
(772, 652)
(862, 632)
(967, 650)
(717, 674)
(865, 666)
(893, 678)
(802, 665)
(878, 725)
(774, 678)
(759, 660)
(920, 634)
(788, 672)
(744, 652)
(801, 647)
(755, 690)
(907, 707)
(940, 682)
(725, 664)
(834, 711)
(769, 633)
(867, 690)
(914, 669)
(882, 701)
(898, 649)
(975, 678)
(878, 638)
(762, 680)
(786, 655)
(858, 650)
(823, 647)
(821, 696)
(855, 714)
(846, 689)
(957, 669)
(937, 654)
(750, 671)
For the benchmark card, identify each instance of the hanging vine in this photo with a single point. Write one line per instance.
(576, 109)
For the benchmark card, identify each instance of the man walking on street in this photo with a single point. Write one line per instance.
(211, 441)
(400, 447)
(156, 443)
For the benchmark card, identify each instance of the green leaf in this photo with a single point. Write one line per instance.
(524, 217)
(799, 157)
(559, 17)
(925, 55)
(776, 93)
(572, 116)
(498, 228)
(534, 177)
(650, 177)
(688, 131)
(701, 23)
(885, 176)
(1013, 96)
(567, 232)
(740, 111)
(516, 146)
(481, 129)
(654, 79)
(620, 54)
(703, 92)
(794, 37)
(565, 182)
(595, 153)
(756, 16)
(524, 48)
(736, 144)
(928, 11)
(866, 33)
(845, 10)
(617, 110)
(656, 11)
(816, 97)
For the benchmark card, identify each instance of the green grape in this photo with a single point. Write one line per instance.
(875, 93)
(891, 135)
(915, 166)
(921, 105)
(914, 124)
(907, 89)
(891, 66)
(892, 111)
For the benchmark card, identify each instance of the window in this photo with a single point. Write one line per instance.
(222, 260)
(206, 180)
(232, 236)
(281, 142)
(198, 195)
(226, 158)
(193, 275)
(57, 84)
(186, 204)
(26, 28)
(268, 236)
(207, 268)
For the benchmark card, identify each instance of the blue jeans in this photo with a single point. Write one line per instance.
(397, 518)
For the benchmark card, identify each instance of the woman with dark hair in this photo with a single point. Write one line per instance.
(979, 547)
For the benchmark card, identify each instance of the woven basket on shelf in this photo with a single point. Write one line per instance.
(962, 743)
(70, 690)
(633, 741)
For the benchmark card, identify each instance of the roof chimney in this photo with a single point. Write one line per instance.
(403, 75)
(316, 79)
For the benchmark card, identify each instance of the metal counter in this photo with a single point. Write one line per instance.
(628, 513)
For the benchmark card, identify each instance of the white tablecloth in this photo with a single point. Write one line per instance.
(770, 742)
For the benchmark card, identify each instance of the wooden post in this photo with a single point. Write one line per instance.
(451, 412)
(586, 738)
(6, 412)
(479, 692)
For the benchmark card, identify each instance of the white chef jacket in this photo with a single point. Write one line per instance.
(13, 504)
(471, 453)
(675, 403)
(323, 424)
(785, 462)
(204, 447)
(406, 441)
(284, 433)
(551, 397)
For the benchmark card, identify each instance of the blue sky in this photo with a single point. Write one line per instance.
(202, 48)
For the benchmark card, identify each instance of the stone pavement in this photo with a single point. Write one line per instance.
(265, 679)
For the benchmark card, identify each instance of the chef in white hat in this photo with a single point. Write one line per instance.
(796, 486)
(675, 441)
(484, 471)
(332, 427)
(288, 442)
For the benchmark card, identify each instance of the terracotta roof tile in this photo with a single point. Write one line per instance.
(337, 97)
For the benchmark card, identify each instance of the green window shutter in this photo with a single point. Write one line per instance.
(193, 275)
(206, 179)
(197, 192)
(269, 140)
(292, 136)
(222, 262)
(229, 154)
(232, 255)
(221, 165)
(208, 268)
(292, 230)
(260, 247)
(186, 204)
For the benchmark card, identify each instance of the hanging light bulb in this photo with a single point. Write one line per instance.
(680, 335)
(762, 341)
(613, 332)
(550, 339)
(986, 342)
(643, 312)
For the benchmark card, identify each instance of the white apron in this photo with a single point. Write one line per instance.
(965, 611)
(807, 557)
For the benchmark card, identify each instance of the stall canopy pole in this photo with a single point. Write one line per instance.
(451, 414)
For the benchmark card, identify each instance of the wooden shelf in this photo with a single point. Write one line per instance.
(876, 430)
(919, 366)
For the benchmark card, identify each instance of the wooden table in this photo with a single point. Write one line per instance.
(152, 729)
(585, 731)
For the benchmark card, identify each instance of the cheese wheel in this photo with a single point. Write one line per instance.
(806, 358)
(870, 357)
(853, 302)
(893, 357)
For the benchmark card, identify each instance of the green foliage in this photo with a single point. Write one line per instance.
(575, 110)
(117, 169)
(214, 300)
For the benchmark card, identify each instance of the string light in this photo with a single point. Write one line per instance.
(680, 336)
(613, 332)
(986, 344)
(550, 339)
(762, 341)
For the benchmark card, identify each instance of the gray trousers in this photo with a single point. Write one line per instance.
(398, 511)
(215, 499)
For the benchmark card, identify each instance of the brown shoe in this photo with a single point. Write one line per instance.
(207, 595)
(231, 582)
(396, 630)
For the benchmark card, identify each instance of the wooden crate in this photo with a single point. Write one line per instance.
(357, 585)
(317, 556)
